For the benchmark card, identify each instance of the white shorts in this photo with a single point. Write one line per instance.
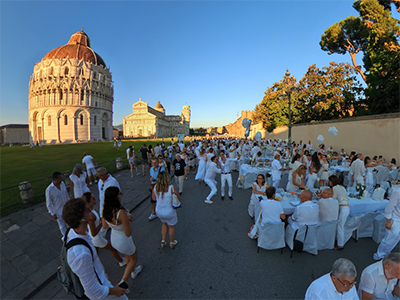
(91, 171)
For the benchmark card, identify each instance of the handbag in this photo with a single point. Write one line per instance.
(298, 245)
(175, 201)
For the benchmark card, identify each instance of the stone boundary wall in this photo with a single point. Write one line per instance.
(370, 135)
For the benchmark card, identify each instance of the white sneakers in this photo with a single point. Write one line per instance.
(152, 217)
(123, 263)
(208, 201)
(135, 273)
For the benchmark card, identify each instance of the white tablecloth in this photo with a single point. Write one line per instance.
(247, 170)
(357, 207)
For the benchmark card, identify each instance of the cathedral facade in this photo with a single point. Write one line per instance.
(71, 95)
(147, 121)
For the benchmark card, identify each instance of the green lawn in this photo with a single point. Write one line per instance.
(18, 163)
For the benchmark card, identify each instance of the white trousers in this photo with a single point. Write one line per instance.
(61, 224)
(392, 237)
(213, 186)
(179, 181)
(275, 183)
(344, 212)
(226, 178)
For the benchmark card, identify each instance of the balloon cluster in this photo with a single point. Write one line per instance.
(246, 123)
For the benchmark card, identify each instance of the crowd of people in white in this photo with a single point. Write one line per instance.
(308, 177)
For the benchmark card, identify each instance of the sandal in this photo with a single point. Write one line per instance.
(162, 243)
(173, 244)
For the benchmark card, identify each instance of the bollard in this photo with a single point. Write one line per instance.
(25, 191)
(67, 181)
(118, 163)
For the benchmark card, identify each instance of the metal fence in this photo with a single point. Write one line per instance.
(11, 199)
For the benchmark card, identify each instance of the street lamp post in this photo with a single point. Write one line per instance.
(291, 87)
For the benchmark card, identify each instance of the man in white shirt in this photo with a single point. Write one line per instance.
(212, 170)
(392, 215)
(105, 181)
(276, 170)
(339, 284)
(232, 154)
(309, 146)
(328, 207)
(255, 150)
(56, 197)
(307, 213)
(89, 162)
(271, 209)
(157, 150)
(379, 280)
(357, 170)
(226, 176)
(84, 262)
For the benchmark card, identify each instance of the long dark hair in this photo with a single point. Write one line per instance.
(295, 157)
(315, 160)
(87, 196)
(111, 203)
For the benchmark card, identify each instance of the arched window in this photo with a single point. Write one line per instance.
(81, 119)
(65, 120)
(81, 72)
(82, 95)
(61, 94)
(66, 71)
(94, 120)
(49, 120)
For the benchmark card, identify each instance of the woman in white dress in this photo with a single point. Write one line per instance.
(313, 170)
(323, 174)
(120, 222)
(294, 164)
(369, 177)
(96, 230)
(296, 181)
(78, 182)
(162, 194)
(259, 188)
(201, 170)
(210, 154)
(340, 194)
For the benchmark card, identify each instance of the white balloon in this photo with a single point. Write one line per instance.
(258, 136)
(320, 139)
(333, 131)
(245, 123)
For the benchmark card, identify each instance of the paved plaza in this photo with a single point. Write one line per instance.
(213, 260)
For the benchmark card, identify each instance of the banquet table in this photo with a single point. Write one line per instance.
(247, 170)
(357, 206)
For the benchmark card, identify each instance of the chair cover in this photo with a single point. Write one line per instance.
(310, 243)
(366, 226)
(249, 179)
(378, 194)
(352, 224)
(250, 208)
(394, 175)
(284, 180)
(379, 228)
(271, 236)
(381, 175)
(326, 233)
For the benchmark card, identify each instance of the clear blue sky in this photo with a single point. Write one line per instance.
(219, 57)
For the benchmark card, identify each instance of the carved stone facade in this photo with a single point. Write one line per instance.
(147, 121)
(71, 95)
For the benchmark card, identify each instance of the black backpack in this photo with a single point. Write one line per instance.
(68, 279)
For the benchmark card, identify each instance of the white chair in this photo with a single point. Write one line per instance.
(379, 228)
(271, 236)
(366, 226)
(249, 179)
(309, 243)
(326, 233)
(284, 180)
(351, 224)
(394, 174)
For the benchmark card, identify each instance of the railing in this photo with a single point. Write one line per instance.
(11, 196)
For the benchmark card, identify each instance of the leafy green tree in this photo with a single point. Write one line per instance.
(347, 36)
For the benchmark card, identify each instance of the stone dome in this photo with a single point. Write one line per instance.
(158, 105)
(78, 47)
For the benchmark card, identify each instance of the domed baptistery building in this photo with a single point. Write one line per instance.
(71, 95)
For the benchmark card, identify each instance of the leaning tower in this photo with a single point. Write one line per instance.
(186, 118)
(71, 95)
